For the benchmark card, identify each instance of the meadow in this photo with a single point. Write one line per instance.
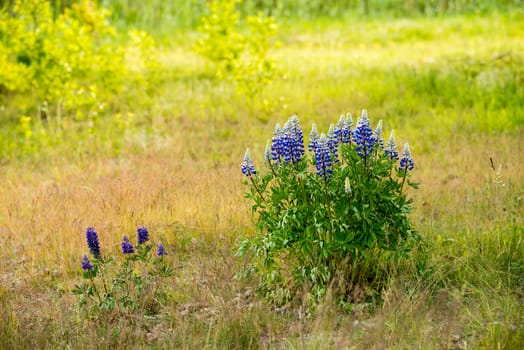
(451, 85)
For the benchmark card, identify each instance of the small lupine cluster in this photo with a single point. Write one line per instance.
(287, 145)
(93, 244)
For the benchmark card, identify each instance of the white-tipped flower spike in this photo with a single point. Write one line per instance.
(313, 139)
(267, 152)
(349, 119)
(406, 152)
(378, 134)
(406, 162)
(364, 119)
(391, 147)
(248, 168)
(347, 186)
(247, 156)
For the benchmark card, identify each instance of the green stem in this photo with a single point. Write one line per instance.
(328, 208)
(256, 188)
(404, 179)
(96, 290)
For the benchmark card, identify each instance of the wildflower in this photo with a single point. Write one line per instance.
(347, 186)
(406, 162)
(127, 247)
(143, 235)
(86, 264)
(276, 144)
(248, 168)
(391, 147)
(364, 137)
(332, 143)
(296, 139)
(92, 242)
(377, 134)
(323, 157)
(313, 139)
(161, 251)
(343, 130)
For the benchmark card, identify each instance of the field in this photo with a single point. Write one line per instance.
(452, 86)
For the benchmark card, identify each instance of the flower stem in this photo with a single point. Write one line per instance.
(404, 179)
(256, 188)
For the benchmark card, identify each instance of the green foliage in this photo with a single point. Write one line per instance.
(75, 61)
(313, 225)
(241, 58)
(132, 286)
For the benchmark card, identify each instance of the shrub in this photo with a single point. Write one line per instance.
(318, 213)
(133, 286)
(241, 58)
(76, 61)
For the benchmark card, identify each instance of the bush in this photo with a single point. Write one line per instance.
(76, 61)
(318, 213)
(241, 58)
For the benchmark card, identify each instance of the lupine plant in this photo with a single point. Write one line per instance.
(318, 212)
(133, 285)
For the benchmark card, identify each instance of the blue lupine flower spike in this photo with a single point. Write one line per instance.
(323, 161)
(127, 247)
(391, 147)
(406, 162)
(86, 264)
(248, 168)
(161, 250)
(343, 129)
(143, 235)
(364, 137)
(332, 143)
(297, 137)
(92, 242)
(276, 144)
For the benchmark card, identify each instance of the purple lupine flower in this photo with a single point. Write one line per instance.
(391, 147)
(248, 168)
(313, 139)
(86, 264)
(143, 235)
(406, 162)
(92, 242)
(332, 143)
(161, 250)
(343, 130)
(296, 139)
(323, 157)
(377, 134)
(127, 247)
(276, 144)
(364, 137)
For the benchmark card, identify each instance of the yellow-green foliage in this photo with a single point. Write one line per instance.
(75, 60)
(241, 57)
